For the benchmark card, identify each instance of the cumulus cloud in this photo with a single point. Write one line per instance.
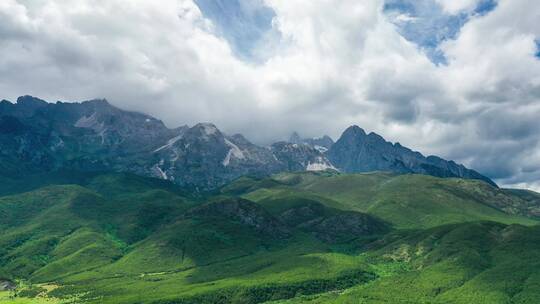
(321, 66)
(456, 6)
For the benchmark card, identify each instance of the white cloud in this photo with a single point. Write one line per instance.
(404, 18)
(334, 64)
(455, 6)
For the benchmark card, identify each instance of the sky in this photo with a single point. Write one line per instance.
(455, 78)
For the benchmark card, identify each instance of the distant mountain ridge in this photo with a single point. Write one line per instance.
(93, 135)
(357, 151)
(322, 143)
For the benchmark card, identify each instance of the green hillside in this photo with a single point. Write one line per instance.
(464, 263)
(406, 201)
(293, 238)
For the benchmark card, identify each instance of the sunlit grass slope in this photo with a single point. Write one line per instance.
(406, 201)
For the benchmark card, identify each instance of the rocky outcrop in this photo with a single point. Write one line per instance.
(6, 285)
(320, 143)
(300, 157)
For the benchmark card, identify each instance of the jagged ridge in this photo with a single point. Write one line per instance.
(94, 135)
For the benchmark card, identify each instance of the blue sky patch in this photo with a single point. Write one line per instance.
(537, 48)
(485, 6)
(243, 23)
(424, 23)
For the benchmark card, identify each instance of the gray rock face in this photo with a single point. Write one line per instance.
(357, 151)
(6, 285)
(92, 135)
(37, 136)
(204, 157)
(300, 157)
(321, 143)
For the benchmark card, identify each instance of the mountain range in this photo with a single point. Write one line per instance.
(101, 205)
(37, 136)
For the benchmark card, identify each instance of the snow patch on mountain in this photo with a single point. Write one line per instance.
(320, 164)
(163, 174)
(209, 129)
(102, 135)
(320, 148)
(233, 151)
(90, 122)
(169, 143)
(160, 171)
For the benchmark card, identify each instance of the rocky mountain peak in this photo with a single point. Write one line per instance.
(98, 105)
(320, 143)
(356, 151)
(30, 101)
(353, 131)
(205, 132)
(295, 138)
(24, 107)
(98, 102)
(206, 129)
